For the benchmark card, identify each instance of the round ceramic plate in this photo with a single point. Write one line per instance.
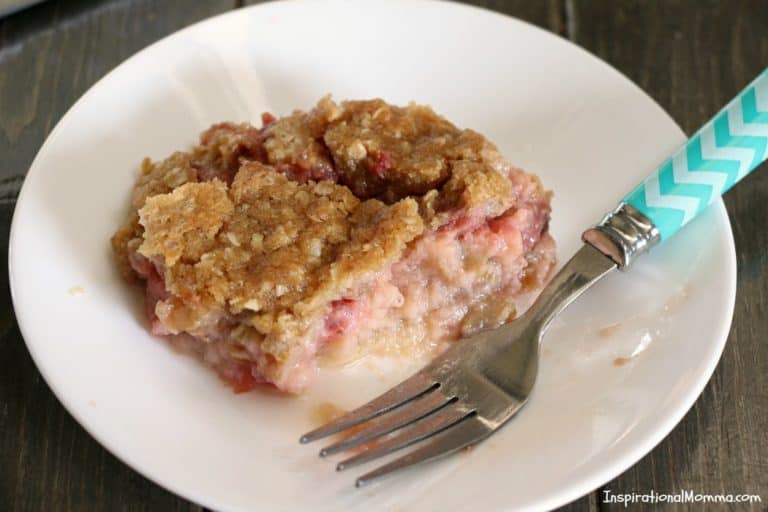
(619, 368)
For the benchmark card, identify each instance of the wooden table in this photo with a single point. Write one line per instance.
(690, 55)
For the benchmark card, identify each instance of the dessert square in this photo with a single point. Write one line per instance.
(323, 236)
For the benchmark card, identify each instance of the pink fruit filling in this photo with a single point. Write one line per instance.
(451, 283)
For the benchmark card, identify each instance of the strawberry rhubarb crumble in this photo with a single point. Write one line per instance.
(353, 228)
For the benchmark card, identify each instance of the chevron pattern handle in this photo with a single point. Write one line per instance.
(722, 152)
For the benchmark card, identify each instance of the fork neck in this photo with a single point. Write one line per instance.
(584, 269)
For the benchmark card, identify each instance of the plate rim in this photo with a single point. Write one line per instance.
(577, 488)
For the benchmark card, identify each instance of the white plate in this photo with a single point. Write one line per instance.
(551, 107)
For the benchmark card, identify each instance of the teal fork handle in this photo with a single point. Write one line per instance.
(723, 151)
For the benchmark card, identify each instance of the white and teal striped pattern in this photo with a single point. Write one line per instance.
(722, 152)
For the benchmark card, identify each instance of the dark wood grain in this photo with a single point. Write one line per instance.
(690, 55)
(49, 56)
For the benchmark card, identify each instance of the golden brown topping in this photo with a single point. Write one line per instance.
(295, 143)
(391, 152)
(183, 224)
(474, 183)
(373, 148)
(222, 148)
(125, 241)
(163, 177)
(270, 248)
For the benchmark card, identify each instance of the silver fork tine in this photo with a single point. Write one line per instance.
(401, 394)
(465, 433)
(412, 411)
(422, 429)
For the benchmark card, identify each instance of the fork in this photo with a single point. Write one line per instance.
(473, 388)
